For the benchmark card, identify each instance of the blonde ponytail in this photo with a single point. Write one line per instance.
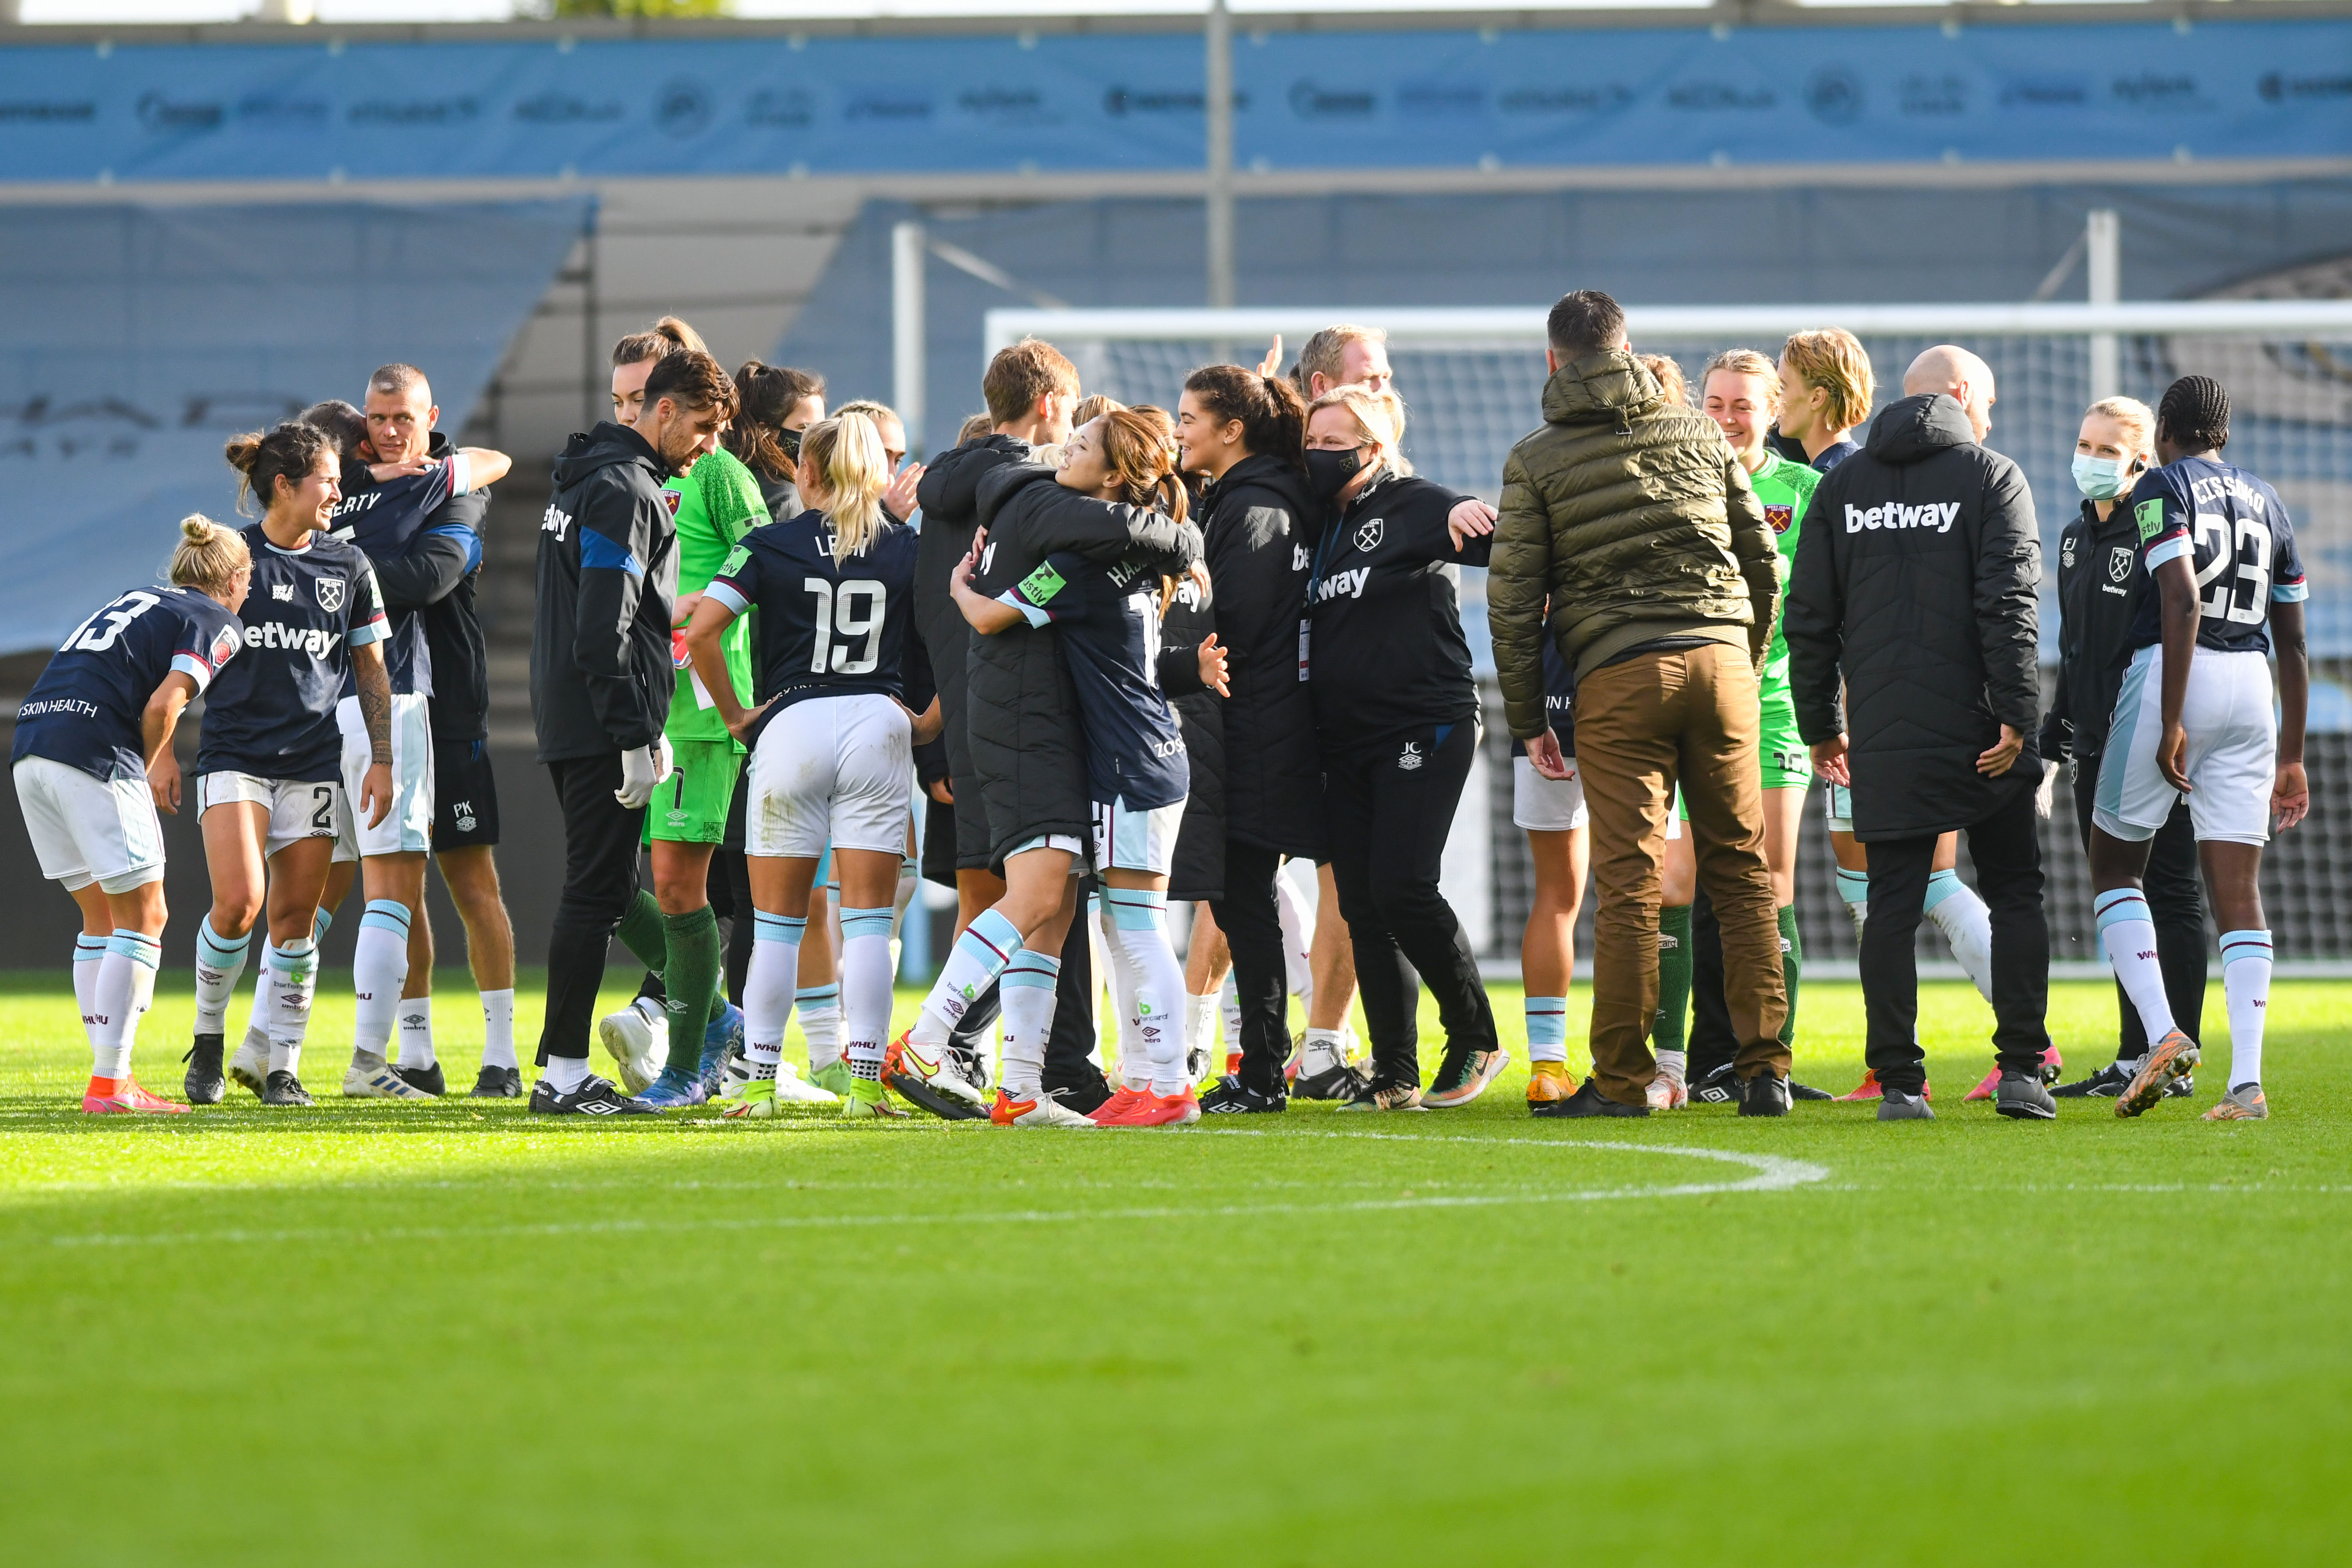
(853, 471)
(208, 556)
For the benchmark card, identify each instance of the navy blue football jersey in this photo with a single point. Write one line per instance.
(1559, 698)
(85, 710)
(827, 628)
(2234, 529)
(272, 712)
(383, 519)
(1108, 621)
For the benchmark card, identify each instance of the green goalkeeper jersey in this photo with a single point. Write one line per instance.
(1784, 489)
(717, 503)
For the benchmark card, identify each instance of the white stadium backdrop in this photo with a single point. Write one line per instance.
(1473, 380)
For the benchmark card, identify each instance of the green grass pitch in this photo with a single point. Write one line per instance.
(378, 1334)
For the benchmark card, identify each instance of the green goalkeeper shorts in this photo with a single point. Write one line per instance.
(690, 806)
(1788, 762)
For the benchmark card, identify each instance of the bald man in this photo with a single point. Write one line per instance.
(1911, 624)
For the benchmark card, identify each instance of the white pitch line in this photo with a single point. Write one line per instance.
(1773, 1173)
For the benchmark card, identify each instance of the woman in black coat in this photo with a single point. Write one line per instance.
(1247, 433)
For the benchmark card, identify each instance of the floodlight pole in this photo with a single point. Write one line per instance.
(907, 249)
(2103, 262)
(1220, 117)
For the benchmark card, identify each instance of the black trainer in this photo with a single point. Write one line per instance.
(1807, 1091)
(426, 1080)
(1764, 1095)
(282, 1088)
(1338, 1081)
(1084, 1093)
(2023, 1096)
(1720, 1087)
(2108, 1082)
(205, 1083)
(1229, 1096)
(498, 1083)
(1588, 1101)
(595, 1096)
(946, 1107)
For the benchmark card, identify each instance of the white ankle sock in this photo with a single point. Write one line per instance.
(379, 969)
(2246, 982)
(1323, 1050)
(220, 963)
(768, 993)
(416, 1033)
(90, 951)
(126, 972)
(979, 956)
(1199, 1022)
(2127, 932)
(1025, 994)
(497, 1029)
(1967, 926)
(818, 1007)
(567, 1073)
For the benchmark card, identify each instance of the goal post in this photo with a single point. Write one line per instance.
(1473, 379)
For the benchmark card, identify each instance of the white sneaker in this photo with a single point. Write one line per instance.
(734, 1076)
(378, 1082)
(1668, 1093)
(1042, 1112)
(250, 1064)
(637, 1039)
(793, 1089)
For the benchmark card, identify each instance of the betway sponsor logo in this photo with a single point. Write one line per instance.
(1937, 515)
(315, 641)
(1343, 584)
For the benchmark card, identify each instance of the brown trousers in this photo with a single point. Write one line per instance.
(1687, 715)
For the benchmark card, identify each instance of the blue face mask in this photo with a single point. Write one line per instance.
(2100, 479)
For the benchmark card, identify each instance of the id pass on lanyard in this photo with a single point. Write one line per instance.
(1304, 626)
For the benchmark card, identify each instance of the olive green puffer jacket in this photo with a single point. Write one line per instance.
(1625, 519)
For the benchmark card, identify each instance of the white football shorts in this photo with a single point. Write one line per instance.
(2231, 759)
(837, 770)
(299, 808)
(1547, 806)
(407, 828)
(1840, 808)
(88, 830)
(1127, 839)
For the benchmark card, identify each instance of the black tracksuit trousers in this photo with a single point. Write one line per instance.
(601, 839)
(2175, 887)
(2007, 851)
(1389, 808)
(1252, 920)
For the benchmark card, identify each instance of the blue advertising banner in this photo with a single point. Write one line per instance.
(1436, 99)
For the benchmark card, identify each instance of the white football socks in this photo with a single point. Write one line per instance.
(2246, 982)
(1853, 887)
(979, 956)
(818, 1007)
(2128, 933)
(1967, 926)
(1546, 1028)
(768, 986)
(379, 969)
(126, 986)
(866, 970)
(1025, 994)
(1156, 979)
(293, 977)
(567, 1073)
(220, 964)
(1297, 940)
(257, 1027)
(416, 1032)
(1201, 1022)
(90, 951)
(1134, 1061)
(497, 1029)
(1229, 1012)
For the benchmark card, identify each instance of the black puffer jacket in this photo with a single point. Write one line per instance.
(601, 676)
(1199, 868)
(1028, 745)
(948, 496)
(1915, 581)
(1259, 524)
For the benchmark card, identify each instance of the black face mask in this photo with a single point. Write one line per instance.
(790, 440)
(1327, 473)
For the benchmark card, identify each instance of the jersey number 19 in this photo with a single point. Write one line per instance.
(855, 610)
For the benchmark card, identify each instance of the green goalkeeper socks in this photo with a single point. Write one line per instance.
(1792, 964)
(1667, 1030)
(691, 979)
(641, 931)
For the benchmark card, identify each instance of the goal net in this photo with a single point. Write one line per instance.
(1473, 380)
